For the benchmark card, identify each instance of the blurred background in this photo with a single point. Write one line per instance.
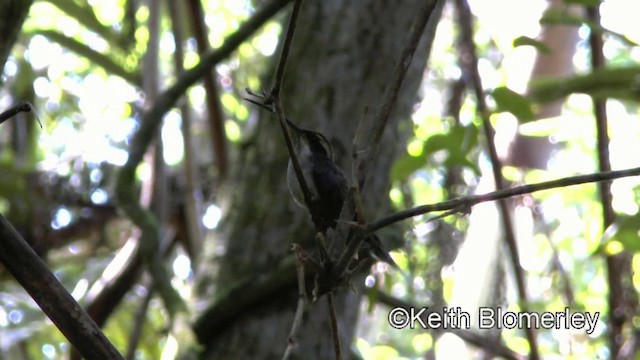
(213, 174)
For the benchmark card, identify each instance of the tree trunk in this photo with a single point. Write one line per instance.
(13, 13)
(342, 56)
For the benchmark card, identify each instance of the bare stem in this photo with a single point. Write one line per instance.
(302, 297)
(469, 201)
(334, 327)
(380, 121)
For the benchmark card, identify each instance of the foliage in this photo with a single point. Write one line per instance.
(82, 64)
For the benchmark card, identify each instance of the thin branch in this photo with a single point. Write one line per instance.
(119, 276)
(267, 102)
(191, 193)
(103, 60)
(274, 99)
(304, 187)
(282, 64)
(334, 326)
(424, 14)
(149, 220)
(399, 72)
(469, 59)
(151, 119)
(619, 265)
(302, 297)
(565, 279)
(138, 324)
(125, 186)
(214, 108)
(469, 201)
(36, 278)
(87, 17)
(23, 106)
(358, 147)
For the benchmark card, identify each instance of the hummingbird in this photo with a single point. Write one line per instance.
(325, 180)
(326, 183)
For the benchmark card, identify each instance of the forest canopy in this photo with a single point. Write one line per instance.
(486, 164)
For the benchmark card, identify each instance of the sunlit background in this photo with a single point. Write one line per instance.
(89, 115)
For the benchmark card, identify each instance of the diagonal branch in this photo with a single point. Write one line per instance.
(149, 123)
(469, 201)
(95, 57)
(469, 60)
(87, 17)
(423, 16)
(54, 300)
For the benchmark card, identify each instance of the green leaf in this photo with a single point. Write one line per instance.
(438, 142)
(469, 139)
(510, 101)
(460, 139)
(583, 2)
(457, 159)
(560, 17)
(458, 143)
(407, 165)
(527, 41)
(617, 83)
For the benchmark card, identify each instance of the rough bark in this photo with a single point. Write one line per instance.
(342, 56)
(13, 13)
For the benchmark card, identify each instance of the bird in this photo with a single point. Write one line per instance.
(325, 180)
(326, 183)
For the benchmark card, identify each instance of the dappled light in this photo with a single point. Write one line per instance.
(335, 179)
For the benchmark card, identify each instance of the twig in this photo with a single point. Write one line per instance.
(617, 83)
(334, 326)
(469, 201)
(399, 72)
(565, 279)
(22, 106)
(274, 98)
(282, 64)
(381, 118)
(151, 119)
(302, 297)
(268, 103)
(304, 187)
